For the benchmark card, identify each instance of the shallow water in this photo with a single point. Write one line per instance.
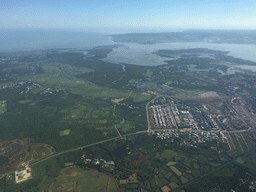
(139, 54)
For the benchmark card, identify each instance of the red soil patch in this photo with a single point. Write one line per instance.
(131, 178)
(62, 187)
(110, 145)
(8, 141)
(113, 144)
(14, 161)
(139, 157)
(27, 140)
(73, 174)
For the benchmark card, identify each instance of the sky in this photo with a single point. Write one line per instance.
(127, 15)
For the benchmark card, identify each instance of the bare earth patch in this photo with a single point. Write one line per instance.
(166, 189)
(74, 174)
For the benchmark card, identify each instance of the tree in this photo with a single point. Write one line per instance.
(53, 171)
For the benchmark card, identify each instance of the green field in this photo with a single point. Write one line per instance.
(201, 158)
(69, 164)
(65, 132)
(139, 97)
(166, 154)
(226, 171)
(25, 101)
(51, 69)
(251, 165)
(149, 72)
(76, 86)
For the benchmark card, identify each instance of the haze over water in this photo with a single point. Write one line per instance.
(130, 53)
(18, 40)
(140, 54)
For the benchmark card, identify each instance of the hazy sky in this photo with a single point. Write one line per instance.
(136, 14)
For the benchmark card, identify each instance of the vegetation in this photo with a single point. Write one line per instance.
(3, 105)
(226, 171)
(69, 100)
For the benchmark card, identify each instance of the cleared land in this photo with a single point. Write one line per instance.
(167, 154)
(35, 152)
(65, 132)
(74, 178)
(23, 175)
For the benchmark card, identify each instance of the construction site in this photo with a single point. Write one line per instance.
(23, 175)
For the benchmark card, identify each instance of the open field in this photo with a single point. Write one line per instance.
(201, 158)
(74, 178)
(139, 97)
(239, 143)
(76, 86)
(13, 156)
(65, 132)
(167, 154)
(50, 69)
(226, 171)
(176, 171)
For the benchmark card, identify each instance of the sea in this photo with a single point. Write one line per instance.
(34, 39)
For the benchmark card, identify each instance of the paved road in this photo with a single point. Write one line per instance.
(75, 149)
(149, 130)
(86, 146)
(148, 119)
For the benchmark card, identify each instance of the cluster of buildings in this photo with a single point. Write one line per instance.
(12, 85)
(166, 114)
(49, 91)
(203, 120)
(101, 162)
(31, 87)
(158, 113)
(5, 59)
(188, 137)
(26, 86)
(163, 115)
(23, 175)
